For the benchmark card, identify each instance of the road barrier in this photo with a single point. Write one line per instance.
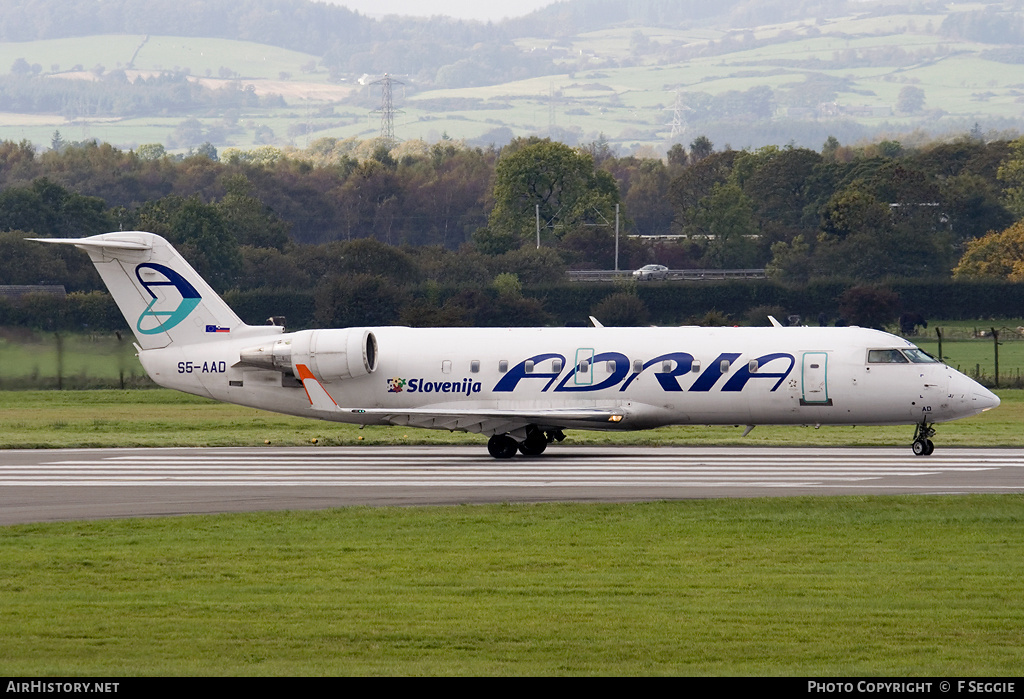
(677, 275)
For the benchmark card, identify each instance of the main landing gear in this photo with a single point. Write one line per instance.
(505, 446)
(501, 446)
(923, 445)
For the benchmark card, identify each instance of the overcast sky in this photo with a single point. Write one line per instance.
(460, 9)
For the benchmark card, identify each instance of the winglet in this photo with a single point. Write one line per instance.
(596, 322)
(775, 323)
(318, 396)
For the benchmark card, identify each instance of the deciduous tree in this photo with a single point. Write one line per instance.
(999, 254)
(561, 180)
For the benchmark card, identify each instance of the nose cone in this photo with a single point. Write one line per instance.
(969, 397)
(984, 399)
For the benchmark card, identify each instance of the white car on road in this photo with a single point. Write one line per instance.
(648, 272)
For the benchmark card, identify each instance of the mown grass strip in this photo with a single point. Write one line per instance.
(801, 586)
(163, 418)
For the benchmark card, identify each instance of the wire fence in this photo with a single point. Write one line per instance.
(992, 355)
(31, 360)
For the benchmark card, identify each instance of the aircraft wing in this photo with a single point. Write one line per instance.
(495, 421)
(481, 421)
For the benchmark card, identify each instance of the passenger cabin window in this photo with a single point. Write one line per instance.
(611, 366)
(556, 365)
(529, 366)
(638, 366)
(474, 366)
(584, 366)
(503, 365)
(886, 356)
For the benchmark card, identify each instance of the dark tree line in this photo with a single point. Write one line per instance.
(446, 234)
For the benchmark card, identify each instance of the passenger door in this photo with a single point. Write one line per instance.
(814, 379)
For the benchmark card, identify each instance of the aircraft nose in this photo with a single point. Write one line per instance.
(984, 399)
(971, 397)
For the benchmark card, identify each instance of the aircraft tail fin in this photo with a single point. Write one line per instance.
(161, 296)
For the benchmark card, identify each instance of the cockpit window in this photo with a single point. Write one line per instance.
(919, 356)
(886, 356)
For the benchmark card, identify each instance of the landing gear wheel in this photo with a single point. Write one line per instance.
(923, 445)
(501, 446)
(534, 444)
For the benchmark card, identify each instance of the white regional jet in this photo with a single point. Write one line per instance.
(522, 386)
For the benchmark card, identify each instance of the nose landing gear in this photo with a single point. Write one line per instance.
(922, 444)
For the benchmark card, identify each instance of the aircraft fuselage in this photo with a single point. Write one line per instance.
(654, 376)
(521, 386)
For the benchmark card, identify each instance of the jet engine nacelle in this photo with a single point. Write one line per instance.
(331, 355)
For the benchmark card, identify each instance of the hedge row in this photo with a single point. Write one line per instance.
(571, 303)
(680, 303)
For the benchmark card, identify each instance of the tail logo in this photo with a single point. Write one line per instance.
(167, 288)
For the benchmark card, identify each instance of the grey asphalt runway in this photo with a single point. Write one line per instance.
(69, 484)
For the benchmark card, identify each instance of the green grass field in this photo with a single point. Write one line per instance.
(164, 418)
(35, 360)
(889, 586)
(198, 56)
(858, 586)
(968, 346)
(113, 418)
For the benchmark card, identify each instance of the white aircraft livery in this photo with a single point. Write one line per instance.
(522, 386)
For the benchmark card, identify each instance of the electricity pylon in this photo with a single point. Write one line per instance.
(387, 109)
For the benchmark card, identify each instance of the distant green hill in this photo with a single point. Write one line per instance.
(640, 75)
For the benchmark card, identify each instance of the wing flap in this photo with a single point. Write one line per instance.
(493, 421)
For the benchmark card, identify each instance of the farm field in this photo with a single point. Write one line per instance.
(609, 87)
(200, 57)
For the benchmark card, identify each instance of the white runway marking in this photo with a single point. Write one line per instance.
(560, 467)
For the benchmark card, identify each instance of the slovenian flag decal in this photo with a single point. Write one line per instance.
(217, 329)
